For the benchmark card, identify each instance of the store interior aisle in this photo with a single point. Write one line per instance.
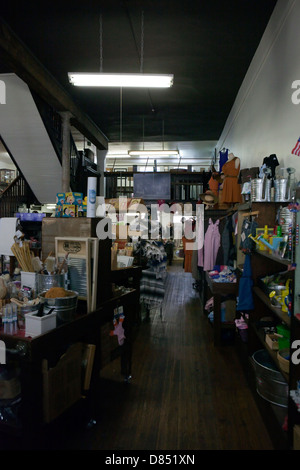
(184, 394)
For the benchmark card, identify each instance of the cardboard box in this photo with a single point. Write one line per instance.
(62, 383)
(58, 211)
(272, 341)
(35, 326)
(69, 210)
(60, 199)
(74, 198)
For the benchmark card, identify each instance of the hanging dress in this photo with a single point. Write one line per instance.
(223, 154)
(188, 253)
(212, 242)
(231, 192)
(213, 185)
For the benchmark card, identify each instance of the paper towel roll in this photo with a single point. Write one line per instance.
(91, 196)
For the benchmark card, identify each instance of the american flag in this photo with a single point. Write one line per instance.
(296, 149)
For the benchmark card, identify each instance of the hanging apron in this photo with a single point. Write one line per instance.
(245, 298)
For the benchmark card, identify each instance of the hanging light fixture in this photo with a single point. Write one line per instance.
(152, 152)
(161, 153)
(123, 80)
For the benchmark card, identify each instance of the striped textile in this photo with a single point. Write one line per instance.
(152, 289)
(296, 149)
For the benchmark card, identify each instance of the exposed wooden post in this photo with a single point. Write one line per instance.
(66, 152)
(101, 154)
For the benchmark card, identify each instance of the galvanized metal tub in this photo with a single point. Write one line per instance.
(260, 190)
(46, 281)
(270, 383)
(65, 307)
(282, 190)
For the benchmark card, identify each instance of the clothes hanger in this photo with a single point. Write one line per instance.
(250, 214)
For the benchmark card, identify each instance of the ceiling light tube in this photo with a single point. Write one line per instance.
(153, 152)
(120, 80)
(112, 156)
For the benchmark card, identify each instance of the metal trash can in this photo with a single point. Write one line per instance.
(270, 383)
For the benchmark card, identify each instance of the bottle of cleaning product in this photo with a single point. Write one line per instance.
(285, 296)
(266, 237)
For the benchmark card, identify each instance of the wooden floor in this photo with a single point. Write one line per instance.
(184, 393)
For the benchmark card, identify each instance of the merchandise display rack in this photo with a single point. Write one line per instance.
(280, 421)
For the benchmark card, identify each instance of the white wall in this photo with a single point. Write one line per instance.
(27, 140)
(263, 119)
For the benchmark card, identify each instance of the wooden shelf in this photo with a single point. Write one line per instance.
(221, 288)
(272, 353)
(275, 258)
(283, 316)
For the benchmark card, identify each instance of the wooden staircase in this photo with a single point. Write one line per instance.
(16, 194)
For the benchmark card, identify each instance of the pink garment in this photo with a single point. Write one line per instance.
(119, 332)
(200, 239)
(212, 241)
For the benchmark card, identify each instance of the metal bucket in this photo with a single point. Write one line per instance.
(65, 307)
(270, 383)
(260, 190)
(282, 190)
(286, 217)
(46, 281)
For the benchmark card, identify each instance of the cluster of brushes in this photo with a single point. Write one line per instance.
(33, 264)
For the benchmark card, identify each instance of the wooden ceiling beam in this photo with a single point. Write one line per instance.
(20, 60)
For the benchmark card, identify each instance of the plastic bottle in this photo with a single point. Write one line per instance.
(266, 237)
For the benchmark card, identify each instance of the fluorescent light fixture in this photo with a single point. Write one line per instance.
(112, 156)
(153, 152)
(121, 80)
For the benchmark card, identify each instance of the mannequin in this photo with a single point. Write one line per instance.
(231, 191)
(231, 156)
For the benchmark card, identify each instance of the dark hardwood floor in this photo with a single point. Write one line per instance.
(185, 393)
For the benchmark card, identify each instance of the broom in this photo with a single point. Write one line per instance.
(23, 256)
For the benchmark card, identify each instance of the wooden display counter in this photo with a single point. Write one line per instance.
(219, 290)
(31, 353)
